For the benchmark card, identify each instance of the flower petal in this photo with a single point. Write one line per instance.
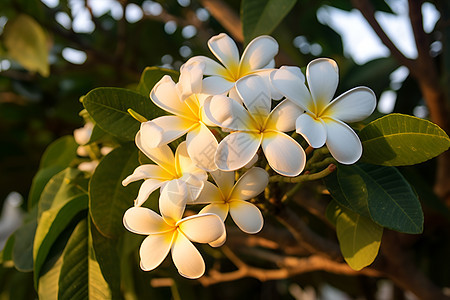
(190, 81)
(194, 184)
(236, 150)
(186, 258)
(224, 180)
(146, 172)
(165, 129)
(312, 130)
(292, 86)
(163, 155)
(353, 106)
(265, 75)
(216, 85)
(154, 250)
(220, 209)
(201, 147)
(202, 228)
(172, 200)
(258, 54)
(251, 184)
(246, 216)
(209, 194)
(220, 241)
(256, 95)
(322, 75)
(233, 94)
(227, 113)
(142, 220)
(164, 94)
(185, 165)
(284, 155)
(211, 66)
(147, 187)
(226, 51)
(283, 116)
(343, 142)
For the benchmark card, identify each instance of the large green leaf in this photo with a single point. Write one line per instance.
(109, 109)
(380, 193)
(108, 199)
(399, 140)
(359, 238)
(27, 43)
(22, 253)
(151, 76)
(263, 16)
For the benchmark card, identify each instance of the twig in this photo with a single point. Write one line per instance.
(306, 177)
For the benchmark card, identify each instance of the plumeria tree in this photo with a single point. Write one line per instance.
(230, 172)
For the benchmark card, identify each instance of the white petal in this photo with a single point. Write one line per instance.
(220, 241)
(185, 165)
(147, 187)
(292, 86)
(190, 81)
(142, 220)
(220, 209)
(163, 155)
(154, 250)
(258, 54)
(226, 51)
(165, 129)
(146, 172)
(323, 76)
(233, 94)
(202, 146)
(246, 216)
(312, 130)
(353, 106)
(343, 142)
(252, 162)
(209, 194)
(164, 94)
(284, 155)
(172, 200)
(227, 113)
(194, 184)
(202, 228)
(224, 180)
(283, 116)
(236, 150)
(251, 184)
(186, 258)
(255, 94)
(265, 74)
(211, 66)
(270, 65)
(216, 85)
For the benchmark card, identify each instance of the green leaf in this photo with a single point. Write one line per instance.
(359, 238)
(108, 107)
(380, 193)
(263, 16)
(399, 140)
(23, 243)
(27, 43)
(108, 199)
(151, 76)
(6, 253)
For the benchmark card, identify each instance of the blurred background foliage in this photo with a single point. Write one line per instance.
(48, 61)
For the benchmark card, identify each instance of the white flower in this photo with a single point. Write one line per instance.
(323, 121)
(188, 117)
(257, 56)
(178, 168)
(257, 125)
(170, 232)
(229, 197)
(82, 135)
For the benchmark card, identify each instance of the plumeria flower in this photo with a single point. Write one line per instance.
(188, 117)
(257, 125)
(258, 56)
(171, 232)
(323, 121)
(230, 197)
(178, 168)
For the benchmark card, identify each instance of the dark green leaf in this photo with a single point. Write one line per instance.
(109, 109)
(108, 199)
(60, 153)
(151, 76)
(399, 140)
(263, 16)
(23, 244)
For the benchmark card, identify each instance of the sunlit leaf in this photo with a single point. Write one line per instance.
(27, 43)
(263, 16)
(399, 140)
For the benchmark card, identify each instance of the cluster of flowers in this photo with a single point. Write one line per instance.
(235, 96)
